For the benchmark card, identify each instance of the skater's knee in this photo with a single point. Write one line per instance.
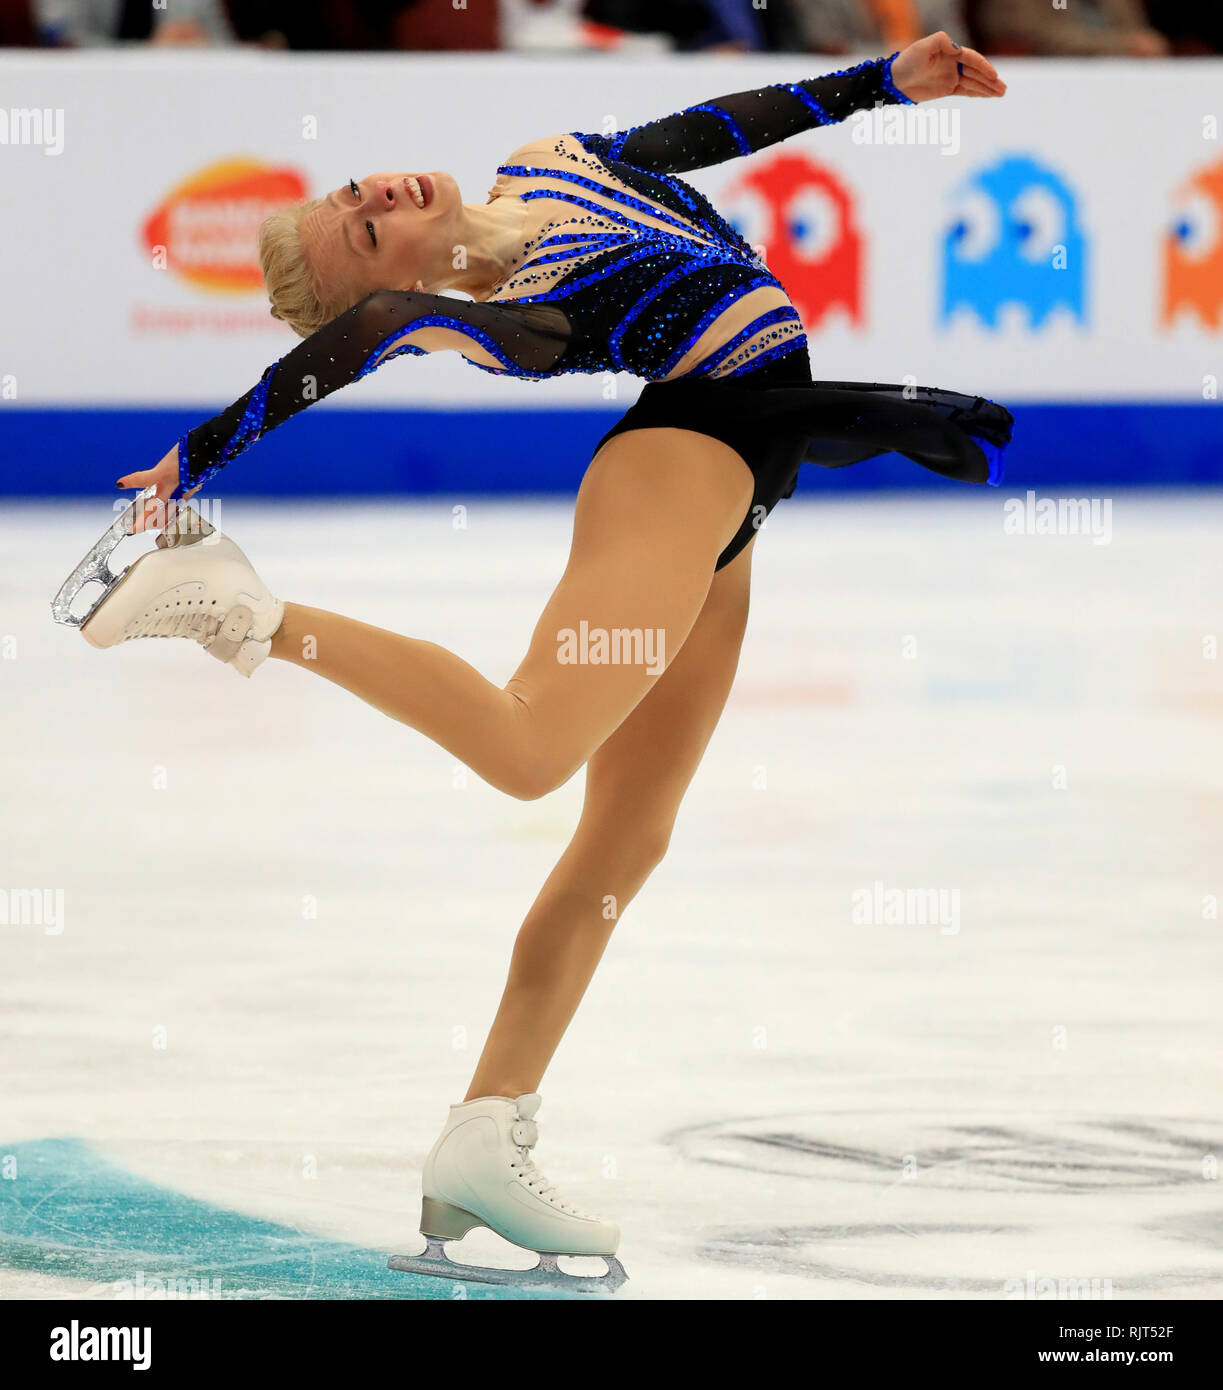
(628, 848)
(650, 846)
(530, 772)
(532, 779)
(533, 761)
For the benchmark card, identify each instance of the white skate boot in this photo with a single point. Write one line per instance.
(196, 584)
(481, 1173)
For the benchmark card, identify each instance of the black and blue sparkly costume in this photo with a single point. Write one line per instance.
(612, 291)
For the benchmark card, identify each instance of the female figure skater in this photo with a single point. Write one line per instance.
(589, 255)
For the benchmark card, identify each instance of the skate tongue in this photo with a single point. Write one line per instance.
(528, 1105)
(185, 526)
(525, 1134)
(524, 1131)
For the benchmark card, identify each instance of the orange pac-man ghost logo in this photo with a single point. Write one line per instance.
(1193, 249)
(205, 227)
(801, 217)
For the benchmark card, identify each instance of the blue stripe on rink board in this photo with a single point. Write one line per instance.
(80, 452)
(70, 1213)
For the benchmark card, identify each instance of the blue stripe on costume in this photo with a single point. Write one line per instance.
(993, 456)
(889, 86)
(468, 330)
(810, 103)
(785, 314)
(740, 139)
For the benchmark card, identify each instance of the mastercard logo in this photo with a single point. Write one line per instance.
(206, 227)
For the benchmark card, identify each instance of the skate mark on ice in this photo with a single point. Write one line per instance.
(803, 1251)
(1203, 1228)
(817, 1253)
(1055, 1154)
(71, 1214)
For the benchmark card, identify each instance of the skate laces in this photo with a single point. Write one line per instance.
(199, 626)
(525, 1135)
(533, 1178)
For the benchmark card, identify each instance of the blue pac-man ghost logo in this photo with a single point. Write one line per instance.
(1015, 239)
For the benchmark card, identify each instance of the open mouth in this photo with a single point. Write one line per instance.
(419, 188)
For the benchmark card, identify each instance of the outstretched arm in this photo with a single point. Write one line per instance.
(744, 122)
(514, 339)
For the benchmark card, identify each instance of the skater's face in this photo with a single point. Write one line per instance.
(385, 231)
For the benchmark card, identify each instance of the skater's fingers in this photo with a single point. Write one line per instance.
(978, 64)
(151, 518)
(165, 481)
(164, 478)
(969, 87)
(978, 77)
(137, 480)
(156, 515)
(164, 473)
(154, 512)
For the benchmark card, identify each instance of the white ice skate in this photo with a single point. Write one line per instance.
(196, 584)
(481, 1173)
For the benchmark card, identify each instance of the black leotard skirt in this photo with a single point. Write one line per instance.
(776, 418)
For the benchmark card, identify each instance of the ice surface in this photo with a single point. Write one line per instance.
(772, 1096)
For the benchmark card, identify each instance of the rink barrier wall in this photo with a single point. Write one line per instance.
(1065, 244)
(80, 452)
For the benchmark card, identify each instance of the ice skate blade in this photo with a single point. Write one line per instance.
(185, 525)
(547, 1274)
(94, 568)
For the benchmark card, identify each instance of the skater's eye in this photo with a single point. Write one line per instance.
(369, 227)
(356, 190)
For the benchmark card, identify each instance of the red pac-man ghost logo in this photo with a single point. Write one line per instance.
(801, 217)
(1193, 249)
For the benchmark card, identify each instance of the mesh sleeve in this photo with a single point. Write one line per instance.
(744, 122)
(527, 339)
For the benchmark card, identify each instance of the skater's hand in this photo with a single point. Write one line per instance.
(157, 514)
(936, 67)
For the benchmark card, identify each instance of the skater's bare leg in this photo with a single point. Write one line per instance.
(634, 785)
(655, 509)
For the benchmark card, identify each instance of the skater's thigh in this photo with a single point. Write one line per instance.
(655, 510)
(637, 778)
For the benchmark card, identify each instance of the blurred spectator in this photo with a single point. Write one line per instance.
(427, 25)
(690, 24)
(876, 26)
(1190, 26)
(276, 24)
(730, 25)
(1085, 28)
(16, 25)
(559, 25)
(310, 25)
(439, 24)
(1059, 27)
(88, 23)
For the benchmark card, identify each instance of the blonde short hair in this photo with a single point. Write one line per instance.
(292, 285)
